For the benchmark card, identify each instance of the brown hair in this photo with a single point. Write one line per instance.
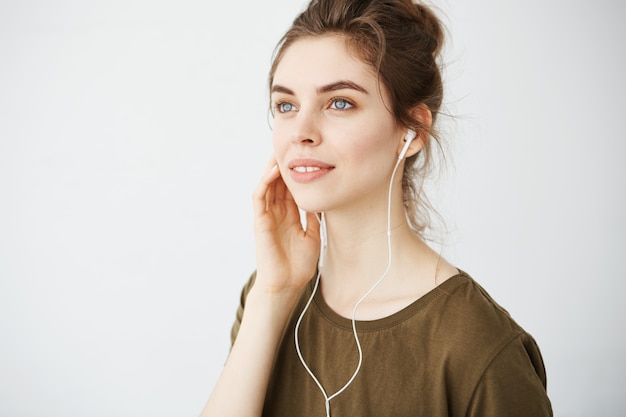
(401, 40)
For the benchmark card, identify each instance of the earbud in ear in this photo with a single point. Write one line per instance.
(410, 135)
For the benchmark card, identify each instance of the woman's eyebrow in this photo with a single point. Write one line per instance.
(277, 88)
(341, 85)
(338, 85)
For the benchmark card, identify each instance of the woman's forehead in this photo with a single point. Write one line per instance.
(322, 59)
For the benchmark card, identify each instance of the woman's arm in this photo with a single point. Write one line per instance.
(286, 260)
(240, 390)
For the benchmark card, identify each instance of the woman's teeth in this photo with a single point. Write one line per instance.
(306, 169)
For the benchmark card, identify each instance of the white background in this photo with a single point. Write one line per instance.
(133, 132)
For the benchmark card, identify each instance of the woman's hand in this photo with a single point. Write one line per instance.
(286, 255)
(286, 261)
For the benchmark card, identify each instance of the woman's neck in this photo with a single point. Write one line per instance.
(357, 255)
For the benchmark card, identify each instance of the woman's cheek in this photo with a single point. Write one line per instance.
(280, 146)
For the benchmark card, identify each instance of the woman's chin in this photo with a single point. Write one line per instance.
(309, 205)
(310, 208)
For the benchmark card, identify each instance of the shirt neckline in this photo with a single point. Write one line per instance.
(389, 321)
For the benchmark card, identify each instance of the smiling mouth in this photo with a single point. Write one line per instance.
(306, 169)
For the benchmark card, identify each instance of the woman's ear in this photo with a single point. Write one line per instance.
(422, 114)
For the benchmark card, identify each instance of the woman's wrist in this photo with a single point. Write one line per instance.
(273, 298)
(278, 289)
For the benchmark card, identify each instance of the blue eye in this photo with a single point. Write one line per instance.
(285, 107)
(341, 104)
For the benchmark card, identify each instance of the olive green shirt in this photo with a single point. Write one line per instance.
(454, 352)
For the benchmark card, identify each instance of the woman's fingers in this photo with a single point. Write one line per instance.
(273, 205)
(312, 225)
(264, 193)
(287, 203)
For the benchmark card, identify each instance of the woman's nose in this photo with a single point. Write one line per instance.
(306, 129)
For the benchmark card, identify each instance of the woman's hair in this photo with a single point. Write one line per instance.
(401, 40)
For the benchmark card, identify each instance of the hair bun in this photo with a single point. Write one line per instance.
(431, 26)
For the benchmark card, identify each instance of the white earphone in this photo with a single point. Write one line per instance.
(410, 135)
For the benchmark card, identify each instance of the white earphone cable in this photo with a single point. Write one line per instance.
(356, 306)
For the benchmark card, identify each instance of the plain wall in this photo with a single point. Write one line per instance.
(133, 132)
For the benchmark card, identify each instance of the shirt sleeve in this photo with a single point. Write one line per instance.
(242, 302)
(513, 384)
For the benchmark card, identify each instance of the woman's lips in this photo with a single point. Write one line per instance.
(308, 170)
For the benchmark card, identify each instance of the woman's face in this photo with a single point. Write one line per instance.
(335, 140)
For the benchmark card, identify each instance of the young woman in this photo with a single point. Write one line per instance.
(353, 314)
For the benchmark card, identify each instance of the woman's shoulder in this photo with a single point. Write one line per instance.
(465, 308)
(471, 323)
(489, 347)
